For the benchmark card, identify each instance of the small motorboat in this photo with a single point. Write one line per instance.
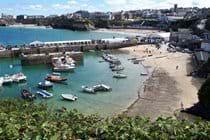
(101, 87)
(144, 74)
(1, 81)
(45, 85)
(119, 75)
(7, 79)
(118, 68)
(69, 97)
(88, 89)
(63, 68)
(27, 95)
(55, 77)
(19, 77)
(44, 94)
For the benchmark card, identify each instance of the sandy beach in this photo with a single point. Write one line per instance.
(168, 87)
(31, 26)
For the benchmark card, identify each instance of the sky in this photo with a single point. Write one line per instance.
(58, 7)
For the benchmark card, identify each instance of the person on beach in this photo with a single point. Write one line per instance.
(182, 106)
(177, 67)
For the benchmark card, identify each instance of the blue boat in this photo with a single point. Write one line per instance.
(44, 94)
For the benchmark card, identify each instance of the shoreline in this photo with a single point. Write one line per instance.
(182, 89)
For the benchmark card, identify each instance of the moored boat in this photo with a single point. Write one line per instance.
(55, 77)
(19, 77)
(1, 81)
(7, 79)
(101, 87)
(27, 95)
(45, 85)
(44, 94)
(144, 74)
(88, 89)
(119, 75)
(118, 68)
(69, 97)
(63, 68)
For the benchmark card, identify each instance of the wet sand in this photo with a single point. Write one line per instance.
(168, 87)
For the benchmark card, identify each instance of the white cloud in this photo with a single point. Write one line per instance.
(36, 7)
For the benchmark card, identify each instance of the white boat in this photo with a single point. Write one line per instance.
(144, 74)
(88, 89)
(7, 79)
(118, 68)
(69, 97)
(45, 85)
(63, 60)
(63, 68)
(1, 81)
(111, 59)
(19, 77)
(101, 87)
(119, 75)
(44, 94)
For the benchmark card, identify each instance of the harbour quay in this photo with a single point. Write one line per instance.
(32, 59)
(38, 47)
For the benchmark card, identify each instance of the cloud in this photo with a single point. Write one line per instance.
(36, 7)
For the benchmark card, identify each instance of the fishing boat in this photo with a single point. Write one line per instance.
(27, 95)
(119, 76)
(88, 89)
(1, 81)
(45, 85)
(112, 65)
(69, 97)
(55, 77)
(63, 60)
(7, 79)
(118, 68)
(19, 77)
(101, 87)
(63, 68)
(44, 94)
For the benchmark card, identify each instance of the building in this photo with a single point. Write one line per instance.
(35, 17)
(7, 17)
(175, 8)
(100, 16)
(82, 14)
(21, 17)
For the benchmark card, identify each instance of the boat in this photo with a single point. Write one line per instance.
(137, 61)
(7, 79)
(69, 97)
(63, 60)
(88, 89)
(45, 85)
(119, 75)
(111, 59)
(44, 94)
(144, 74)
(63, 68)
(101, 87)
(112, 65)
(1, 81)
(27, 95)
(55, 77)
(118, 68)
(19, 77)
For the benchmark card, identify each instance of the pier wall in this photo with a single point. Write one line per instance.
(32, 59)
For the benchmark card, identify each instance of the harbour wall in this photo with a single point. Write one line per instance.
(32, 59)
(63, 47)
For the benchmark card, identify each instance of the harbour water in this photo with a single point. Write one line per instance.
(88, 72)
(19, 36)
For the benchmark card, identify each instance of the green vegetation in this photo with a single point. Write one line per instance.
(25, 120)
(208, 24)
